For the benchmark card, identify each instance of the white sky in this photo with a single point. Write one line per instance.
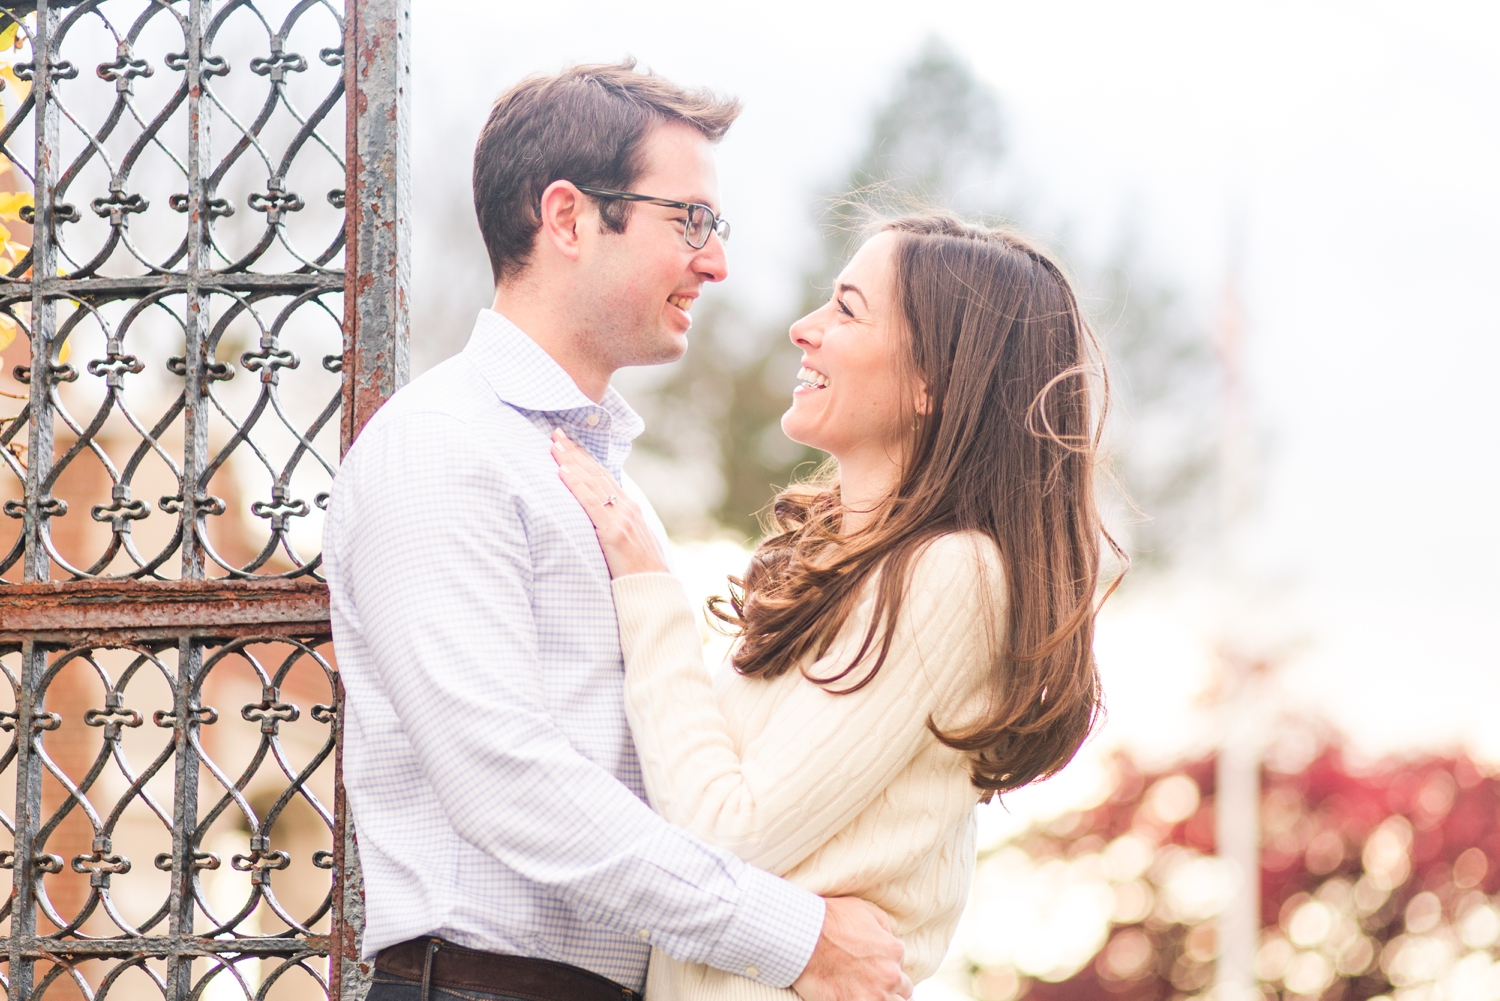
(1356, 148)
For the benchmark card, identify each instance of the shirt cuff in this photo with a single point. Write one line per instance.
(773, 932)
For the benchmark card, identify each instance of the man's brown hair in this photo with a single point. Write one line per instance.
(587, 125)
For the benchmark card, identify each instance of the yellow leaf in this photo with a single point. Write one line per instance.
(12, 202)
(63, 352)
(15, 83)
(7, 332)
(8, 36)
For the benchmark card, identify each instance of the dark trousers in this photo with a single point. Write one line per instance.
(430, 969)
(384, 987)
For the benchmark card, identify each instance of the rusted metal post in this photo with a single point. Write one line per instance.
(195, 458)
(39, 503)
(39, 507)
(377, 268)
(377, 261)
(196, 320)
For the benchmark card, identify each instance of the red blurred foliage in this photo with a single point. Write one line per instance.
(1315, 823)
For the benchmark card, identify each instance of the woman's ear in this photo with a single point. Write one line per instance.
(923, 401)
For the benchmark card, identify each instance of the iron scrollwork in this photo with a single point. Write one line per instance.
(159, 289)
(172, 227)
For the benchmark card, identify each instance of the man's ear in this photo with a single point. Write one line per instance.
(563, 208)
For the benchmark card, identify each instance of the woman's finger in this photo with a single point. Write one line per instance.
(587, 472)
(580, 460)
(624, 536)
(594, 488)
(584, 496)
(569, 460)
(583, 456)
(583, 486)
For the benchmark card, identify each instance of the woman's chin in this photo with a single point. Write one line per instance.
(793, 428)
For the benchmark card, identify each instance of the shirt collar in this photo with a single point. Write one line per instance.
(525, 376)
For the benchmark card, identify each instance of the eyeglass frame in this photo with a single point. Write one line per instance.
(716, 220)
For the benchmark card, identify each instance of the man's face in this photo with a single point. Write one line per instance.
(644, 282)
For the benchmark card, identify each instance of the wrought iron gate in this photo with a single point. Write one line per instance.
(202, 299)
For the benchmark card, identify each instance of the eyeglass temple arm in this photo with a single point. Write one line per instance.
(630, 196)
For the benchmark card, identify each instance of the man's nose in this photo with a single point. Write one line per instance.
(712, 263)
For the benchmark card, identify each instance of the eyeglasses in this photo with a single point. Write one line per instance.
(701, 220)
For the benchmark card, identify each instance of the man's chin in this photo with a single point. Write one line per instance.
(661, 351)
(672, 346)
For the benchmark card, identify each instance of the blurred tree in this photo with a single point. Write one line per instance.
(938, 140)
(939, 134)
(1374, 881)
(1163, 430)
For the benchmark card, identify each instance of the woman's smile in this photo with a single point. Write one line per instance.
(811, 381)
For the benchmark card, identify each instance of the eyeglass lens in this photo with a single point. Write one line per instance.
(697, 227)
(700, 224)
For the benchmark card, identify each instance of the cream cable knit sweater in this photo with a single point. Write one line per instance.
(840, 794)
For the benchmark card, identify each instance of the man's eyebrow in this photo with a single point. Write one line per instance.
(844, 287)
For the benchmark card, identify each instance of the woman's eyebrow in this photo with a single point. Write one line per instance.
(845, 287)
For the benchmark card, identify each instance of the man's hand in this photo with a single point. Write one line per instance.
(857, 957)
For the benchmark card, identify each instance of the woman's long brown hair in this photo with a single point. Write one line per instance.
(1008, 448)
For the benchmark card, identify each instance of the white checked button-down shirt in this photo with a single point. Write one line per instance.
(488, 763)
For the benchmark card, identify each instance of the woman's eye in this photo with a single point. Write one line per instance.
(844, 309)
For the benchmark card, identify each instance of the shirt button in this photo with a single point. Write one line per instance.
(752, 972)
(644, 933)
(591, 420)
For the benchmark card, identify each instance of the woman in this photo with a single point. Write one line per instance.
(915, 635)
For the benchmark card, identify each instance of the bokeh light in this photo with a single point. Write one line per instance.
(1376, 881)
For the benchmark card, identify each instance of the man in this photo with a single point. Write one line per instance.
(506, 844)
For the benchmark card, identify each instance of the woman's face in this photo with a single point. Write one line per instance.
(850, 400)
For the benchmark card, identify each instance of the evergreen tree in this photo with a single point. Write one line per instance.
(938, 141)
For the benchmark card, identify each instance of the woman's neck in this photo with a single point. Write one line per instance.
(865, 481)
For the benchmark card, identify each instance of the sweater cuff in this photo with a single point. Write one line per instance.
(647, 603)
(773, 932)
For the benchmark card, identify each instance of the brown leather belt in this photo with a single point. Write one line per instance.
(433, 962)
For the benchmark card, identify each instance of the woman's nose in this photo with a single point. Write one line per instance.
(806, 332)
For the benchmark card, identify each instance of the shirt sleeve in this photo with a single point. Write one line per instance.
(822, 757)
(436, 562)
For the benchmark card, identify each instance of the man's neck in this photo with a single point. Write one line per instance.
(545, 324)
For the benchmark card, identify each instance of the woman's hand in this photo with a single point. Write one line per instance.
(628, 543)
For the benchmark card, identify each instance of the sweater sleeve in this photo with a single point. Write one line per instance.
(822, 758)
